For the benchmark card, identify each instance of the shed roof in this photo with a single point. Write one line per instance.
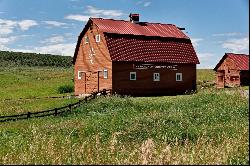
(145, 42)
(240, 60)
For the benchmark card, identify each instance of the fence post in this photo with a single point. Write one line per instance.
(69, 107)
(104, 92)
(28, 115)
(55, 111)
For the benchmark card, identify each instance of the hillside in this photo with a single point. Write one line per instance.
(8, 59)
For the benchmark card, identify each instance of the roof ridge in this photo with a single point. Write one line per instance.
(237, 53)
(129, 21)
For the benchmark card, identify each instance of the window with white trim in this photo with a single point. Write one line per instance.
(79, 75)
(156, 76)
(178, 76)
(97, 38)
(105, 73)
(86, 39)
(132, 75)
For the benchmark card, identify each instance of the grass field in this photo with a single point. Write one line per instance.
(29, 82)
(209, 127)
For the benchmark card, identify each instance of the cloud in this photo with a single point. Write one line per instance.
(206, 60)
(227, 34)
(237, 45)
(53, 40)
(7, 26)
(7, 40)
(65, 49)
(146, 4)
(55, 23)
(92, 11)
(26, 24)
(77, 17)
(195, 41)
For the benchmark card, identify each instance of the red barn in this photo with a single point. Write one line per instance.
(232, 70)
(133, 58)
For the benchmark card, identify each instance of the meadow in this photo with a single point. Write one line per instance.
(31, 82)
(208, 127)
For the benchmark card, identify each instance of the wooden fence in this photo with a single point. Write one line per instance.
(55, 111)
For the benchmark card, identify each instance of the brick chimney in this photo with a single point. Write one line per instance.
(134, 18)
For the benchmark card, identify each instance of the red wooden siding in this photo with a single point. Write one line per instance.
(101, 60)
(144, 84)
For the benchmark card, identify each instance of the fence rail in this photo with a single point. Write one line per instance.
(45, 97)
(55, 111)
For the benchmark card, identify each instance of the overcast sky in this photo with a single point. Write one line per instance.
(53, 26)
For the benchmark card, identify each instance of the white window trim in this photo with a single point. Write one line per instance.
(158, 79)
(86, 41)
(98, 38)
(131, 74)
(78, 74)
(105, 76)
(180, 74)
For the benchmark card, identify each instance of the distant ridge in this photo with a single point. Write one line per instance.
(15, 59)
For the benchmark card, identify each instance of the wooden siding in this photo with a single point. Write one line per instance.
(100, 61)
(144, 84)
(227, 74)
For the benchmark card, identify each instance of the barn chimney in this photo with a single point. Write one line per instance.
(134, 18)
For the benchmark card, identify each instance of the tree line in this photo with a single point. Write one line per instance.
(9, 58)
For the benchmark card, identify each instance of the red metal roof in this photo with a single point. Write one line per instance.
(148, 49)
(142, 28)
(241, 60)
(145, 42)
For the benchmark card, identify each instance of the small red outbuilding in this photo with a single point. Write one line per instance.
(232, 70)
(134, 58)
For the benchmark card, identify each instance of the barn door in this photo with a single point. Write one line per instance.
(220, 79)
(91, 83)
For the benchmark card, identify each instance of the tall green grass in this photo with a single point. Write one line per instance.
(30, 82)
(209, 127)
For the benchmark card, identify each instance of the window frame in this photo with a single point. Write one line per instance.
(78, 75)
(105, 76)
(131, 73)
(176, 77)
(154, 77)
(98, 37)
(86, 39)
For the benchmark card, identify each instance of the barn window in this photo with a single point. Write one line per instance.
(178, 76)
(97, 38)
(105, 73)
(80, 75)
(156, 77)
(132, 75)
(86, 39)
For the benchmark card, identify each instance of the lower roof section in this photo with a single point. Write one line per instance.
(150, 49)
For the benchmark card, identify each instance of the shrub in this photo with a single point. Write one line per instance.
(65, 89)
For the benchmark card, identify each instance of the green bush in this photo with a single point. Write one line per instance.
(65, 89)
